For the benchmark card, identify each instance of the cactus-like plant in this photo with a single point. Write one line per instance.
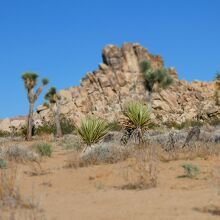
(53, 102)
(91, 130)
(137, 118)
(30, 81)
(153, 77)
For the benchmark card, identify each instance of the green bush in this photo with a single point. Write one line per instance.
(191, 170)
(71, 142)
(4, 133)
(43, 148)
(185, 124)
(67, 127)
(3, 164)
(114, 126)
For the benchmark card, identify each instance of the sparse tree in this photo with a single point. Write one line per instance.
(53, 102)
(154, 78)
(30, 81)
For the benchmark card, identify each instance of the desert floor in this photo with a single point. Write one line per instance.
(95, 192)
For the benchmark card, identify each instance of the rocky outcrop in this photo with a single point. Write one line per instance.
(11, 124)
(104, 91)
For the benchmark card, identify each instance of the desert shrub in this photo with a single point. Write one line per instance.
(185, 124)
(11, 198)
(3, 163)
(115, 126)
(9, 192)
(92, 130)
(45, 128)
(43, 149)
(71, 142)
(141, 173)
(105, 153)
(18, 154)
(4, 133)
(191, 170)
(67, 127)
(214, 121)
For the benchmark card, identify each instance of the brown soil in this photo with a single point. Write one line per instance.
(94, 192)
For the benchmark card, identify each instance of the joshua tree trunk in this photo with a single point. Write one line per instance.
(57, 120)
(149, 97)
(30, 121)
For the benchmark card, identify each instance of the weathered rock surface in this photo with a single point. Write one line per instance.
(104, 91)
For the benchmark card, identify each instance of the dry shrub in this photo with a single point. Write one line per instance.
(22, 215)
(35, 169)
(141, 173)
(18, 154)
(11, 199)
(199, 150)
(74, 160)
(103, 153)
(9, 190)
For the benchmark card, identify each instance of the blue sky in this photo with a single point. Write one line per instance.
(62, 39)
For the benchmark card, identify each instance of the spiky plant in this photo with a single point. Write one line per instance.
(53, 102)
(30, 81)
(155, 77)
(92, 130)
(137, 118)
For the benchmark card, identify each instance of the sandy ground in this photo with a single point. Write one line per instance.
(94, 192)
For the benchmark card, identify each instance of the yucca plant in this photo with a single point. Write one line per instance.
(92, 130)
(30, 81)
(155, 77)
(137, 118)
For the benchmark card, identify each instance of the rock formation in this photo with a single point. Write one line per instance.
(104, 91)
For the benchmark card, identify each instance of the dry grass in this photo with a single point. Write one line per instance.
(199, 150)
(142, 173)
(36, 169)
(12, 203)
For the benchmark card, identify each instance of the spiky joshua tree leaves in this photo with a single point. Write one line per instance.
(92, 130)
(30, 81)
(53, 102)
(155, 77)
(137, 118)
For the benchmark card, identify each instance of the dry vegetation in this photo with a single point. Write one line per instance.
(108, 173)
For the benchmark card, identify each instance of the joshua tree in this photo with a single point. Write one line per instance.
(158, 77)
(92, 130)
(30, 81)
(137, 118)
(53, 102)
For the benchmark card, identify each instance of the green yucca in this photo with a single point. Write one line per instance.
(137, 114)
(92, 130)
(137, 119)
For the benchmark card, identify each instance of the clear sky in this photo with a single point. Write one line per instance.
(62, 39)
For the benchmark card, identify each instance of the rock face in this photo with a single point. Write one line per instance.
(104, 91)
